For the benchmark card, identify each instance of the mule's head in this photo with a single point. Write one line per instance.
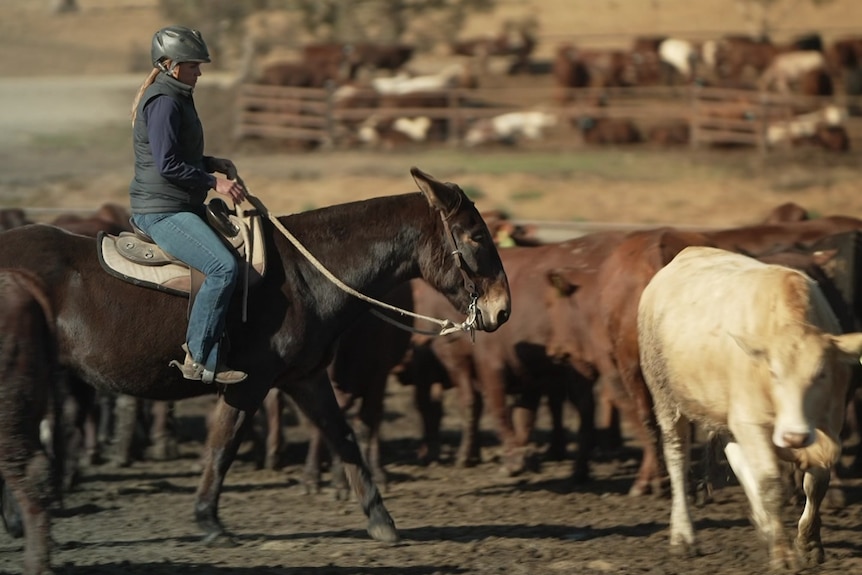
(465, 266)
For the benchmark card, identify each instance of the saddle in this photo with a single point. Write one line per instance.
(134, 257)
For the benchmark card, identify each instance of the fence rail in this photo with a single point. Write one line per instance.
(713, 115)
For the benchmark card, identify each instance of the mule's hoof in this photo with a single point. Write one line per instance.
(384, 533)
(222, 540)
(381, 527)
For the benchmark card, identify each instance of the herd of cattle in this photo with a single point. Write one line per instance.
(580, 331)
(377, 78)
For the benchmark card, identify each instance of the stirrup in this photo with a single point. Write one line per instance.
(195, 371)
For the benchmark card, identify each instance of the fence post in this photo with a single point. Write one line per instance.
(762, 146)
(453, 122)
(329, 113)
(694, 118)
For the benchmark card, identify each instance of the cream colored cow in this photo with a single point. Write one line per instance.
(751, 349)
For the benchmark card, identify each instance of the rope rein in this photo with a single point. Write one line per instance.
(446, 326)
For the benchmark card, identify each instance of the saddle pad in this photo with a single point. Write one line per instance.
(171, 278)
(174, 277)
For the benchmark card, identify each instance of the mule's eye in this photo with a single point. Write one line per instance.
(478, 237)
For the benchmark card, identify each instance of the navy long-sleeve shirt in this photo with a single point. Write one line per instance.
(163, 116)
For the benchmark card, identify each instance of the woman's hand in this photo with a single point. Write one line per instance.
(231, 188)
(223, 166)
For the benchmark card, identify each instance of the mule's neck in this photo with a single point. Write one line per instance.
(371, 245)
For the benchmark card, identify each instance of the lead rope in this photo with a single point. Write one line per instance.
(446, 326)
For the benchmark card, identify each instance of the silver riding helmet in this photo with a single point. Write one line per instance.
(178, 44)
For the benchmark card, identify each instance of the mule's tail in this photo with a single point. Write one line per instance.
(30, 382)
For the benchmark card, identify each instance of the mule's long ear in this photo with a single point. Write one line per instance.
(442, 196)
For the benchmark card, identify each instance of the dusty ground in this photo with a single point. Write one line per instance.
(138, 521)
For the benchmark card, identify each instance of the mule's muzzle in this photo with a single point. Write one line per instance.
(493, 314)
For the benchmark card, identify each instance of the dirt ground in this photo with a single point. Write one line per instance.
(139, 520)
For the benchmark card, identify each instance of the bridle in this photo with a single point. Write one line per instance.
(469, 285)
(446, 326)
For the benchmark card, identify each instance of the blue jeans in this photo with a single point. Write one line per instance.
(189, 238)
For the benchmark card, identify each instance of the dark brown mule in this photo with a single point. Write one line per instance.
(120, 337)
(27, 386)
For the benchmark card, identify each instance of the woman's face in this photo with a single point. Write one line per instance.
(188, 72)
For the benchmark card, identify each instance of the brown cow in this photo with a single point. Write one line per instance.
(518, 44)
(845, 53)
(13, 218)
(518, 361)
(607, 131)
(575, 68)
(669, 134)
(298, 74)
(787, 212)
(373, 57)
(739, 57)
(330, 58)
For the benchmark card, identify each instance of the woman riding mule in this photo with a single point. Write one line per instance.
(171, 182)
(119, 337)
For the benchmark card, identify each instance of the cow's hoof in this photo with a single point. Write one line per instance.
(164, 450)
(639, 489)
(428, 454)
(516, 462)
(311, 482)
(273, 461)
(464, 461)
(811, 553)
(683, 549)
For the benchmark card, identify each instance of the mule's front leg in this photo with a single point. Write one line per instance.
(227, 428)
(315, 397)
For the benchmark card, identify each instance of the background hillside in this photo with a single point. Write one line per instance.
(110, 36)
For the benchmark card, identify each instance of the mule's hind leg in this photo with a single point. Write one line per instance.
(228, 427)
(315, 398)
(27, 360)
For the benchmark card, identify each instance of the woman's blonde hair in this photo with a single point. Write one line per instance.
(146, 84)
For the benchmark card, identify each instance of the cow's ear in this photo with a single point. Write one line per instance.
(749, 345)
(441, 196)
(563, 280)
(850, 346)
(823, 257)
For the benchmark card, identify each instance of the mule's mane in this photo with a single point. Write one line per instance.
(353, 216)
(357, 240)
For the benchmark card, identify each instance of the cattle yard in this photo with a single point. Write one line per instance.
(710, 159)
(691, 116)
(722, 91)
